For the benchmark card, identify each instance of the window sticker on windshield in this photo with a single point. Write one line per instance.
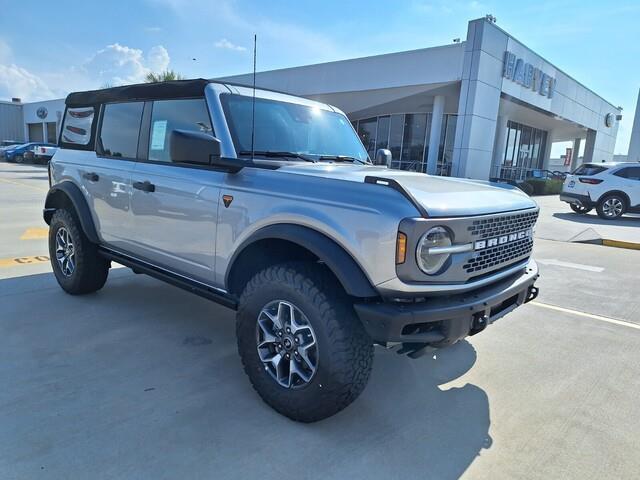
(158, 133)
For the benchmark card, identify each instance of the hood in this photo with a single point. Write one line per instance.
(440, 196)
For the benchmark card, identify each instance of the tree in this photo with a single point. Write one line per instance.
(164, 76)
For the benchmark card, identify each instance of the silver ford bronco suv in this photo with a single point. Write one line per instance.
(269, 205)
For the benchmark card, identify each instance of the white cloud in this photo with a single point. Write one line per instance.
(118, 64)
(152, 29)
(19, 82)
(5, 51)
(226, 44)
(114, 65)
(158, 59)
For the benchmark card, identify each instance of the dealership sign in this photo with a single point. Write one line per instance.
(527, 75)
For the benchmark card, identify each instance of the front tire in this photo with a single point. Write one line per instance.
(301, 343)
(76, 264)
(18, 159)
(580, 209)
(611, 207)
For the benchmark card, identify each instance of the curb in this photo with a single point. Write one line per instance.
(613, 243)
(621, 244)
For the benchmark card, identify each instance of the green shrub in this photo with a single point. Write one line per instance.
(545, 186)
(526, 187)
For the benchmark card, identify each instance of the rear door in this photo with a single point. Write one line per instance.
(630, 180)
(174, 206)
(106, 173)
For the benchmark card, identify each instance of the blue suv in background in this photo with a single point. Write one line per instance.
(16, 153)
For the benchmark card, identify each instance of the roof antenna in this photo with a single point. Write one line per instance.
(253, 105)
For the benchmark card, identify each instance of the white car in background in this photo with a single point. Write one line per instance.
(44, 153)
(612, 188)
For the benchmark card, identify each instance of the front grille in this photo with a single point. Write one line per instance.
(492, 258)
(502, 254)
(496, 226)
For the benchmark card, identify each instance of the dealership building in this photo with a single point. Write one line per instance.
(484, 107)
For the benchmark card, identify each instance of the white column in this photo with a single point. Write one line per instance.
(547, 150)
(575, 154)
(435, 133)
(589, 147)
(634, 145)
(500, 143)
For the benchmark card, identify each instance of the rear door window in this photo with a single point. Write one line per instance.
(589, 169)
(169, 115)
(120, 129)
(632, 173)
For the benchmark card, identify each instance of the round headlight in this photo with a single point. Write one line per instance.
(431, 263)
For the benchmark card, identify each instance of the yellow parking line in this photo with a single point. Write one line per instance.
(20, 184)
(14, 262)
(35, 233)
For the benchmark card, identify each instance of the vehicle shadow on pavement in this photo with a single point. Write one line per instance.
(592, 219)
(143, 379)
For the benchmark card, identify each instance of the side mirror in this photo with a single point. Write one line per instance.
(193, 147)
(383, 157)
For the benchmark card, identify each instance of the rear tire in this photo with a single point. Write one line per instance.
(580, 209)
(336, 367)
(611, 207)
(78, 267)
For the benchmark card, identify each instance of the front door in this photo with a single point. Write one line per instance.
(174, 207)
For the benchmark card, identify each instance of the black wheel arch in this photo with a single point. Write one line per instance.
(620, 193)
(285, 242)
(67, 194)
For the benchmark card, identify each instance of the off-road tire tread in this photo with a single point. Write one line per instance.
(351, 347)
(91, 270)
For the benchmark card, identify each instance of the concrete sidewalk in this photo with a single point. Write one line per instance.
(558, 222)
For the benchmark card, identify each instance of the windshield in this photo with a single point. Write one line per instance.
(290, 127)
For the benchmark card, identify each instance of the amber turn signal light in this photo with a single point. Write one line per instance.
(401, 248)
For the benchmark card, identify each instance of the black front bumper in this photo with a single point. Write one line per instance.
(443, 320)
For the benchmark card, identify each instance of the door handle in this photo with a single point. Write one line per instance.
(145, 186)
(91, 176)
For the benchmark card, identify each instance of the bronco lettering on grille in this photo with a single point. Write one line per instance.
(501, 240)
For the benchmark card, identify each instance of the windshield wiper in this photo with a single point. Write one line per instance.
(340, 158)
(273, 154)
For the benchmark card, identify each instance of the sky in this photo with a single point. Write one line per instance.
(48, 49)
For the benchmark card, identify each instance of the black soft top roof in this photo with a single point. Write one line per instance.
(140, 91)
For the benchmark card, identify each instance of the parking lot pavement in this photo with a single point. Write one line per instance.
(558, 222)
(142, 380)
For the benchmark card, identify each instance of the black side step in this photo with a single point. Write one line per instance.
(200, 289)
(391, 183)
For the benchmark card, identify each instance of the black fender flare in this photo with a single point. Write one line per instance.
(75, 196)
(340, 262)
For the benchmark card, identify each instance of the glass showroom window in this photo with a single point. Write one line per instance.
(407, 137)
(395, 139)
(413, 141)
(524, 151)
(367, 133)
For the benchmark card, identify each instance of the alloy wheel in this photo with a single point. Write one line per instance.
(65, 252)
(287, 344)
(612, 207)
